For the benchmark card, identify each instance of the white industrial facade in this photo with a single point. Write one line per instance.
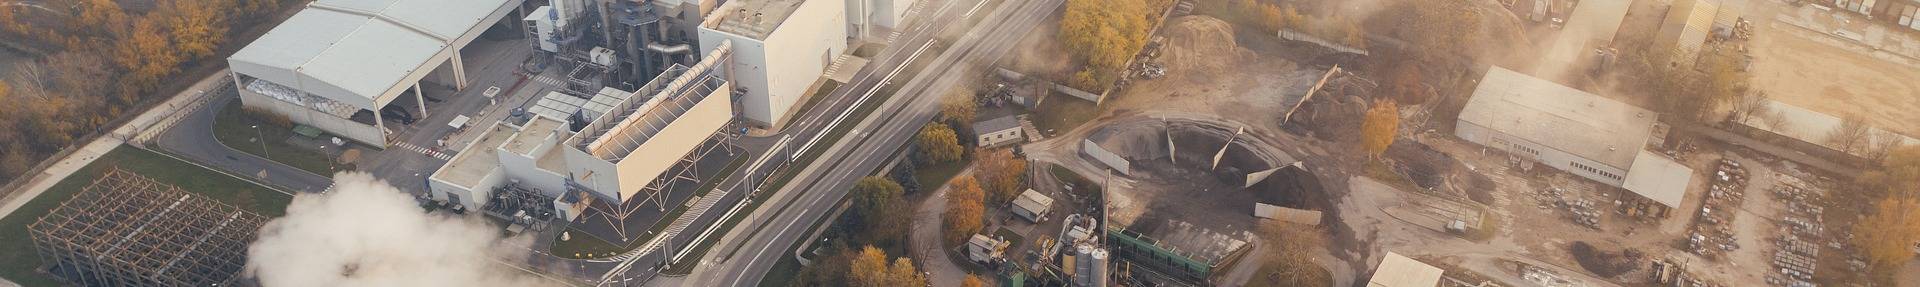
(1571, 130)
(781, 47)
(337, 58)
(864, 16)
(626, 150)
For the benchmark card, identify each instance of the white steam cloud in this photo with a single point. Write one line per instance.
(368, 233)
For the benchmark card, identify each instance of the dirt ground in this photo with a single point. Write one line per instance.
(1800, 68)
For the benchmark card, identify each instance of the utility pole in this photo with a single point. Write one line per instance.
(262, 137)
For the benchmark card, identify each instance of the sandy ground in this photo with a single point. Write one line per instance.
(1802, 69)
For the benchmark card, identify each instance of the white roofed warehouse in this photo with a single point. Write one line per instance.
(336, 63)
(1575, 131)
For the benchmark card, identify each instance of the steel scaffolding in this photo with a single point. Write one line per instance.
(129, 230)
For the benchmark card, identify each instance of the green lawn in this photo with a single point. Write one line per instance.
(934, 176)
(17, 257)
(1061, 113)
(589, 247)
(235, 128)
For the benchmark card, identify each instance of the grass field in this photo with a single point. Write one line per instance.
(17, 257)
(235, 128)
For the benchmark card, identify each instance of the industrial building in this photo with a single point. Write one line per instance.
(337, 63)
(998, 131)
(603, 157)
(781, 47)
(1590, 136)
(1593, 24)
(1399, 271)
(127, 230)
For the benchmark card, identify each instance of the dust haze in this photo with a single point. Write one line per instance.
(368, 233)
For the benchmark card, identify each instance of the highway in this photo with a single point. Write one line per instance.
(751, 249)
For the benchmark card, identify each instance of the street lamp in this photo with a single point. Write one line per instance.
(262, 136)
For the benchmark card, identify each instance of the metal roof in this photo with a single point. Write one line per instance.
(1659, 178)
(1399, 271)
(1686, 25)
(1559, 117)
(356, 51)
(996, 125)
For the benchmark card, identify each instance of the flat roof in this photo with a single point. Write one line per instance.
(1562, 118)
(1399, 271)
(478, 159)
(361, 49)
(754, 18)
(535, 133)
(1658, 178)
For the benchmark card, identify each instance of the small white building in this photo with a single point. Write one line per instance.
(1032, 205)
(998, 131)
(781, 47)
(1571, 130)
(1399, 271)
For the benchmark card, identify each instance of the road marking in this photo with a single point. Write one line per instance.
(976, 8)
(763, 249)
(863, 99)
(424, 151)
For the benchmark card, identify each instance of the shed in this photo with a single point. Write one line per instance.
(1032, 205)
(998, 131)
(1399, 271)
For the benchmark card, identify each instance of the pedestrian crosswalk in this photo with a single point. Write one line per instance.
(544, 79)
(425, 151)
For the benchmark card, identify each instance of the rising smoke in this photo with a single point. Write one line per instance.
(368, 233)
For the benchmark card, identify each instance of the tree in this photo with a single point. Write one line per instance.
(879, 210)
(904, 274)
(1899, 174)
(1408, 86)
(1103, 34)
(1750, 105)
(1377, 132)
(868, 268)
(904, 175)
(1441, 29)
(1850, 136)
(1000, 174)
(5, 91)
(146, 54)
(939, 143)
(958, 107)
(29, 80)
(973, 281)
(1887, 236)
(1883, 144)
(966, 210)
(1291, 263)
(197, 27)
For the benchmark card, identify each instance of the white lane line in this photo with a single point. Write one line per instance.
(763, 249)
(863, 99)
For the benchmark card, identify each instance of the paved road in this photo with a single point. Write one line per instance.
(192, 138)
(865, 149)
(926, 239)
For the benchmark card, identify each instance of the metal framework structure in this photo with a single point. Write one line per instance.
(129, 230)
(685, 171)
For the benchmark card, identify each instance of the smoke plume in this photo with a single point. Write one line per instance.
(368, 233)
